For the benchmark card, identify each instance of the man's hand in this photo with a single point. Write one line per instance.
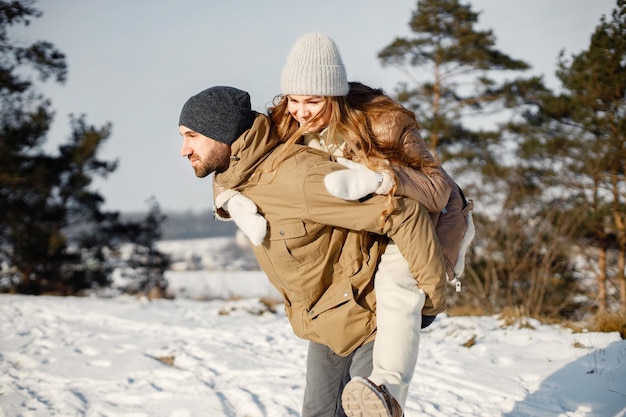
(244, 212)
(357, 181)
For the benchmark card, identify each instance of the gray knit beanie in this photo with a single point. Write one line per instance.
(219, 113)
(314, 68)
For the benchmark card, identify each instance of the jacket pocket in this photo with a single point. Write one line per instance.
(340, 322)
(294, 244)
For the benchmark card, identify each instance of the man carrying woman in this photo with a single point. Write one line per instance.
(354, 123)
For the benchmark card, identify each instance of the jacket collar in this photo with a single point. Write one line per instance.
(248, 151)
(320, 141)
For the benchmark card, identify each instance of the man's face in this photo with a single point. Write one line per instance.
(206, 155)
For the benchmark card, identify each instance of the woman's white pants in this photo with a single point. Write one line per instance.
(399, 303)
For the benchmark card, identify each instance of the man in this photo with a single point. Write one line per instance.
(319, 251)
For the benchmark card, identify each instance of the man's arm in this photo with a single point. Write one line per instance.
(407, 224)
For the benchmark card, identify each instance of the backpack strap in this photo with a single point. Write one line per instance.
(470, 231)
(468, 203)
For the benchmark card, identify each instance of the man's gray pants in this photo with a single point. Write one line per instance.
(326, 375)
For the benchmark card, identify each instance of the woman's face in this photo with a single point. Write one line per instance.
(304, 108)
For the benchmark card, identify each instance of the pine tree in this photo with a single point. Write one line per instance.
(452, 62)
(54, 234)
(455, 72)
(581, 135)
(145, 265)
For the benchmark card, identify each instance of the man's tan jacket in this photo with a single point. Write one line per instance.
(320, 251)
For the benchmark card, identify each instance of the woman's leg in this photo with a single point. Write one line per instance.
(399, 303)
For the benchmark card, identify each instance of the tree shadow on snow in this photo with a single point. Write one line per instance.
(594, 385)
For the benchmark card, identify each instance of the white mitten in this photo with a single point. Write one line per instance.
(357, 181)
(244, 212)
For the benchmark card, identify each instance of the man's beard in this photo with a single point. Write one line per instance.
(207, 166)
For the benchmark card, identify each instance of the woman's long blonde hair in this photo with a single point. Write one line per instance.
(350, 122)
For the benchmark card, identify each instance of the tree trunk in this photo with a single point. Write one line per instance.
(602, 280)
(434, 134)
(621, 264)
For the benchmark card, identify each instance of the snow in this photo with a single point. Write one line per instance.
(232, 356)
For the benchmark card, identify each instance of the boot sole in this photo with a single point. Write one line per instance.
(360, 399)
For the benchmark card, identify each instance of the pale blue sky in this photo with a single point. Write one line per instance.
(134, 63)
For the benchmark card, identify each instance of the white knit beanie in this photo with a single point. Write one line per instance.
(314, 68)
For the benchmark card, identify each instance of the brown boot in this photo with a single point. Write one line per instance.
(362, 398)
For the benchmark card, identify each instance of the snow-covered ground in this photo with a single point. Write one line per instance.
(131, 357)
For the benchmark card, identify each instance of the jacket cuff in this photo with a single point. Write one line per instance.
(224, 196)
(385, 181)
